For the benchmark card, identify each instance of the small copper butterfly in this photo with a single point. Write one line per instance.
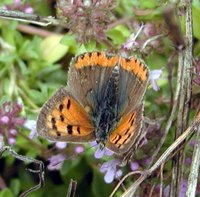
(103, 101)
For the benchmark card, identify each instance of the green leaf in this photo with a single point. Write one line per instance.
(68, 40)
(6, 193)
(53, 49)
(124, 30)
(90, 46)
(15, 186)
(116, 36)
(196, 21)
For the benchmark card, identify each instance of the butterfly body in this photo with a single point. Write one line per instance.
(102, 102)
(105, 117)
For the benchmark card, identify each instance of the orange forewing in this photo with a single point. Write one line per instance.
(63, 118)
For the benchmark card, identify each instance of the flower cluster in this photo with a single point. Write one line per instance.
(86, 18)
(10, 121)
(111, 170)
(18, 5)
(144, 33)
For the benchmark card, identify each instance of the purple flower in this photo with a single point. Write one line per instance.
(131, 43)
(99, 153)
(79, 149)
(192, 143)
(28, 10)
(147, 161)
(183, 188)
(10, 121)
(166, 191)
(55, 162)
(17, 2)
(4, 120)
(18, 5)
(110, 168)
(153, 77)
(31, 125)
(11, 141)
(61, 145)
(134, 166)
(188, 161)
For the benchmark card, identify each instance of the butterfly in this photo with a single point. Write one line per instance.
(103, 101)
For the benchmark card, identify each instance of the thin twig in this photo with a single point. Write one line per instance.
(185, 59)
(28, 29)
(172, 115)
(193, 176)
(161, 179)
(151, 40)
(122, 180)
(151, 191)
(72, 188)
(188, 61)
(30, 18)
(177, 160)
(40, 172)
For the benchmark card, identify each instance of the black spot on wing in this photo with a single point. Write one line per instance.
(61, 118)
(117, 140)
(131, 120)
(98, 53)
(61, 107)
(129, 135)
(127, 131)
(78, 130)
(68, 104)
(69, 129)
(53, 122)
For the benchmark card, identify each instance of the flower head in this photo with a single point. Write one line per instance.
(87, 19)
(99, 153)
(61, 145)
(10, 120)
(111, 170)
(18, 5)
(143, 33)
(153, 77)
(55, 162)
(79, 149)
(31, 125)
(134, 166)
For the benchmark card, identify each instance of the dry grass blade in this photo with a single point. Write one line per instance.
(72, 188)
